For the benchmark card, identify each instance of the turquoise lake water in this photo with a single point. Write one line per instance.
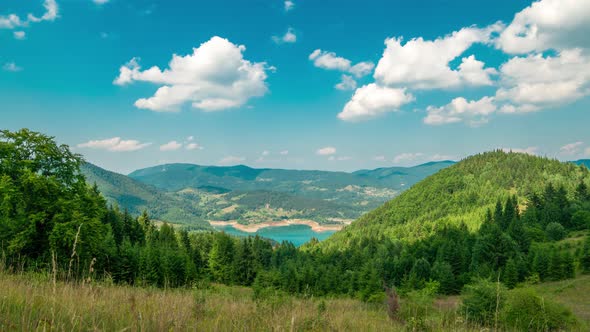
(296, 234)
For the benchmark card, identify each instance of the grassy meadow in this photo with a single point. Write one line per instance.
(33, 302)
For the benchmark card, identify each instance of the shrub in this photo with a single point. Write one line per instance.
(482, 301)
(416, 305)
(524, 310)
(555, 231)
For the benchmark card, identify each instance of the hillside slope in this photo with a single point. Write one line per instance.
(136, 197)
(461, 193)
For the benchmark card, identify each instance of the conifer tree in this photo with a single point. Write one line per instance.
(510, 274)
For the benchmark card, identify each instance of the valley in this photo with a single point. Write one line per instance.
(248, 199)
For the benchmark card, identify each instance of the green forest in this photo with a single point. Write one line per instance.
(483, 229)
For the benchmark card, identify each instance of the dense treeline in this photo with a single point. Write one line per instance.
(51, 219)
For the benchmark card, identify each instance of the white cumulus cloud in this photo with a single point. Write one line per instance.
(472, 112)
(215, 77)
(289, 5)
(424, 64)
(115, 144)
(571, 148)
(548, 24)
(326, 151)
(330, 61)
(346, 83)
(193, 146)
(20, 35)
(170, 146)
(13, 21)
(12, 67)
(289, 37)
(372, 100)
(540, 81)
(532, 150)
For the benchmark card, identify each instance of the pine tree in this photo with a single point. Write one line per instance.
(420, 273)
(244, 263)
(221, 258)
(556, 266)
(518, 234)
(443, 273)
(569, 267)
(541, 264)
(499, 213)
(510, 274)
(509, 214)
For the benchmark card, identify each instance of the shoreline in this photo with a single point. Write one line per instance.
(253, 228)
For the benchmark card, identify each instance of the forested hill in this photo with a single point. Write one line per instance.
(137, 197)
(462, 193)
(585, 162)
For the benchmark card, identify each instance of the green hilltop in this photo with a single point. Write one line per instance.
(461, 193)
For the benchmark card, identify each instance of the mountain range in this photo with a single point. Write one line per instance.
(192, 195)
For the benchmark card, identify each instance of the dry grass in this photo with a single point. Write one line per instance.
(573, 293)
(31, 303)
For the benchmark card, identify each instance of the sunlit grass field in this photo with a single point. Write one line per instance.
(35, 303)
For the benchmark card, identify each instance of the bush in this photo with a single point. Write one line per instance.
(482, 301)
(524, 310)
(555, 231)
(416, 305)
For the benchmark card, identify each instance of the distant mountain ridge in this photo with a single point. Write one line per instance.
(178, 176)
(192, 194)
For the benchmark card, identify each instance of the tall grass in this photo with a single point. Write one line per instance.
(39, 302)
(32, 303)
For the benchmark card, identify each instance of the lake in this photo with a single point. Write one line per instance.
(296, 234)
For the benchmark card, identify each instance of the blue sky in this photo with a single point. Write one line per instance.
(335, 85)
